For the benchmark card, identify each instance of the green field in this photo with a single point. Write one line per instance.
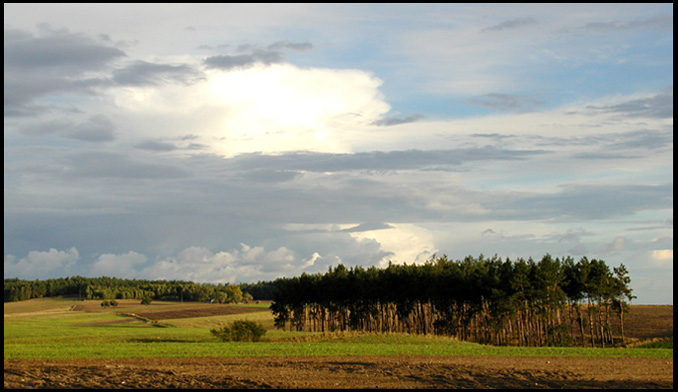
(46, 328)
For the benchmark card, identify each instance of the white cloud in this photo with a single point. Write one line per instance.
(272, 108)
(663, 258)
(199, 264)
(41, 265)
(405, 242)
(120, 266)
(618, 244)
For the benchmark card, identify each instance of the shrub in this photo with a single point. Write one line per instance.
(240, 331)
(146, 300)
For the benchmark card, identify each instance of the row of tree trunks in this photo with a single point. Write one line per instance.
(528, 327)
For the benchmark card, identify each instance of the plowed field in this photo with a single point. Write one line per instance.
(342, 372)
(209, 310)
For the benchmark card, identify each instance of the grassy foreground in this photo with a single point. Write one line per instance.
(46, 329)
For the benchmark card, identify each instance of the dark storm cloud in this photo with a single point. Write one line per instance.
(658, 106)
(163, 146)
(46, 128)
(587, 202)
(99, 164)
(153, 145)
(55, 62)
(662, 22)
(623, 145)
(378, 160)
(58, 61)
(368, 226)
(269, 175)
(97, 129)
(510, 24)
(61, 50)
(645, 139)
(285, 44)
(142, 73)
(252, 54)
(388, 121)
(244, 60)
(604, 155)
(611, 145)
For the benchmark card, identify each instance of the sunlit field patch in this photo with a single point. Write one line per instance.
(48, 329)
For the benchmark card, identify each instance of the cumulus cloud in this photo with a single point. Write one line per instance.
(237, 265)
(120, 266)
(272, 108)
(41, 265)
(662, 258)
(662, 254)
(402, 243)
(618, 244)
(283, 107)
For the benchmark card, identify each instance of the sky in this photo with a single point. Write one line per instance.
(244, 142)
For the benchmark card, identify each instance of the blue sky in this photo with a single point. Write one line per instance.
(243, 142)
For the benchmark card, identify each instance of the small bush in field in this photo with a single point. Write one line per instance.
(240, 331)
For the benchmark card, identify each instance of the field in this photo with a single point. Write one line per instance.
(66, 343)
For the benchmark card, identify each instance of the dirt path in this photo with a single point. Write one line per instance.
(342, 372)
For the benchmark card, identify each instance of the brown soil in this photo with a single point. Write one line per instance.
(163, 311)
(648, 322)
(342, 372)
(202, 311)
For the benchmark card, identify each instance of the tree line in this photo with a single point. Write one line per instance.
(117, 288)
(556, 302)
